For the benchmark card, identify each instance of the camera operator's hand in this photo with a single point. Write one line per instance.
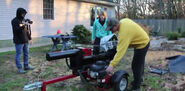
(31, 42)
(22, 25)
(109, 69)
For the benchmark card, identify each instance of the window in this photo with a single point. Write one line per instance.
(48, 9)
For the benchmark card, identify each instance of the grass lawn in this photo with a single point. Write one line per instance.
(10, 80)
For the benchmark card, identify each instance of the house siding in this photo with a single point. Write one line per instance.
(67, 14)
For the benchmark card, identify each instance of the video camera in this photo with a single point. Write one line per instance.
(28, 21)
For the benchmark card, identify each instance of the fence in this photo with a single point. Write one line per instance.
(164, 25)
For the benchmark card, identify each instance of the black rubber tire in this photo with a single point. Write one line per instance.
(117, 85)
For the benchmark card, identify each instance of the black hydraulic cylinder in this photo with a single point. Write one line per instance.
(61, 54)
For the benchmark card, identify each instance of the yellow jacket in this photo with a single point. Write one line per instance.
(129, 34)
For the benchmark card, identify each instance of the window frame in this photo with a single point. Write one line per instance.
(48, 9)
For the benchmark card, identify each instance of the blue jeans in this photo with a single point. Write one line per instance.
(19, 48)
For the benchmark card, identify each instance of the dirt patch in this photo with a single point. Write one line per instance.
(156, 59)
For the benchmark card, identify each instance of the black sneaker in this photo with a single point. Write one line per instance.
(28, 68)
(21, 71)
(134, 87)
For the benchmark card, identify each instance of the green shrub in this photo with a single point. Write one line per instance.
(183, 34)
(83, 35)
(172, 35)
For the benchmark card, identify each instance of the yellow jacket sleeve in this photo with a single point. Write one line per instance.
(121, 49)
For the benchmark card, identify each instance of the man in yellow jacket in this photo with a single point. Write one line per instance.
(130, 34)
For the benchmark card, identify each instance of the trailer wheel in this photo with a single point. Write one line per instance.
(122, 84)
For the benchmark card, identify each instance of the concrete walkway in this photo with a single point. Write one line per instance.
(13, 48)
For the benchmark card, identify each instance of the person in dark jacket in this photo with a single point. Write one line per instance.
(21, 37)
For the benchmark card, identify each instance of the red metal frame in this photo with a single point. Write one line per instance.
(107, 80)
(45, 83)
(55, 80)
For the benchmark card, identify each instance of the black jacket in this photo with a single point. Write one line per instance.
(20, 33)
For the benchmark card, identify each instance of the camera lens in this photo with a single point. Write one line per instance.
(29, 21)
